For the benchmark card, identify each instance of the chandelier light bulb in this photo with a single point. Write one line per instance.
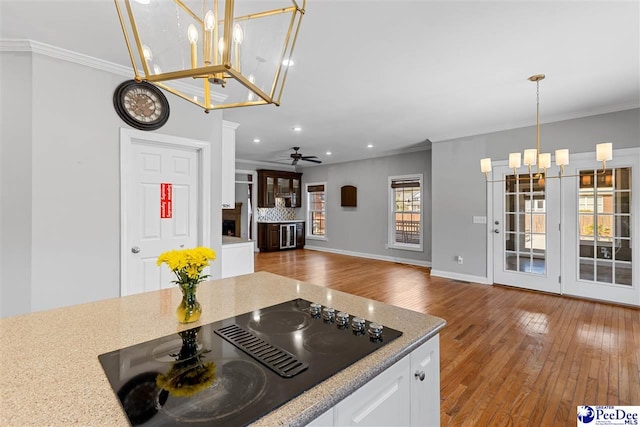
(192, 33)
(238, 34)
(156, 69)
(209, 21)
(221, 45)
(146, 52)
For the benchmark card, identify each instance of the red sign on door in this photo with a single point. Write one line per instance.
(166, 200)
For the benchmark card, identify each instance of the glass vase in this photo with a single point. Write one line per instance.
(189, 309)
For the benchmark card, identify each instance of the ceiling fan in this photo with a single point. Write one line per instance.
(297, 157)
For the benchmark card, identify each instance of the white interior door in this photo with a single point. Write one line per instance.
(162, 205)
(526, 222)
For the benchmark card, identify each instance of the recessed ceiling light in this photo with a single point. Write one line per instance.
(297, 129)
(256, 140)
(369, 145)
(288, 62)
(328, 153)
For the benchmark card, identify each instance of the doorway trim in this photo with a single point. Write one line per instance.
(130, 136)
(254, 203)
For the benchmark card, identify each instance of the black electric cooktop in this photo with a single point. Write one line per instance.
(234, 371)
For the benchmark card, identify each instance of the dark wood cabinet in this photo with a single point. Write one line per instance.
(300, 235)
(270, 235)
(272, 184)
(274, 237)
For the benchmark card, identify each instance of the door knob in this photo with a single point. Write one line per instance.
(496, 231)
(135, 249)
(419, 375)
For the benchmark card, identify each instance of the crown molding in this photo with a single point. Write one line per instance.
(22, 45)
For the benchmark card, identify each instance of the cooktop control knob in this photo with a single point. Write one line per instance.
(328, 314)
(314, 309)
(357, 324)
(375, 331)
(342, 319)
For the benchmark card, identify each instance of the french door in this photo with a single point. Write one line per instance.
(600, 246)
(526, 230)
(576, 235)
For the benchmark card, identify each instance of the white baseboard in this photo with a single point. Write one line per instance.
(371, 256)
(460, 276)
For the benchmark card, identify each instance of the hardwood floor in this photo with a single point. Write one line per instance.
(508, 356)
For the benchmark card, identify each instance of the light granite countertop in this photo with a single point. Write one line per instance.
(50, 373)
(232, 240)
(280, 221)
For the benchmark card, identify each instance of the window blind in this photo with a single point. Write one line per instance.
(404, 183)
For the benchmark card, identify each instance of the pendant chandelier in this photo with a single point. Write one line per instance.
(213, 53)
(542, 161)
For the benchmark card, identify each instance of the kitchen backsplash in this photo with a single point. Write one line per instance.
(279, 213)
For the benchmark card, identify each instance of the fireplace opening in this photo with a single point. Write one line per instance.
(232, 221)
(228, 227)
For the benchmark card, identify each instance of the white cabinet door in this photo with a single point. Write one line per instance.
(425, 384)
(324, 420)
(384, 401)
(229, 164)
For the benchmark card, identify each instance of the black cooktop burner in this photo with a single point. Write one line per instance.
(280, 322)
(202, 376)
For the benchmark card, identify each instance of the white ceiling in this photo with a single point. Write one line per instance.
(398, 73)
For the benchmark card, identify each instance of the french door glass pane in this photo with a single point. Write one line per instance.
(604, 223)
(525, 224)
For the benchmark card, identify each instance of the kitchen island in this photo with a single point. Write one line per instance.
(50, 373)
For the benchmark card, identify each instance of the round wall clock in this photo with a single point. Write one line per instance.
(141, 105)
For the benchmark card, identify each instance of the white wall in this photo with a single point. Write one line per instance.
(459, 189)
(60, 229)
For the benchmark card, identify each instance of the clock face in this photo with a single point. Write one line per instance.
(141, 105)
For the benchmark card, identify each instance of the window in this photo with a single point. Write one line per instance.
(316, 211)
(405, 212)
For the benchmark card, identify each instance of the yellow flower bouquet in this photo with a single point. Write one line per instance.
(187, 265)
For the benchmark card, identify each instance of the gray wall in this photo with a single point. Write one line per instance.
(363, 229)
(15, 182)
(60, 182)
(459, 189)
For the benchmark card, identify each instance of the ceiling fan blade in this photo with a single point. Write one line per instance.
(312, 160)
(309, 157)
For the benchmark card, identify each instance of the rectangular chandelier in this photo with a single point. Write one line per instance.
(214, 53)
